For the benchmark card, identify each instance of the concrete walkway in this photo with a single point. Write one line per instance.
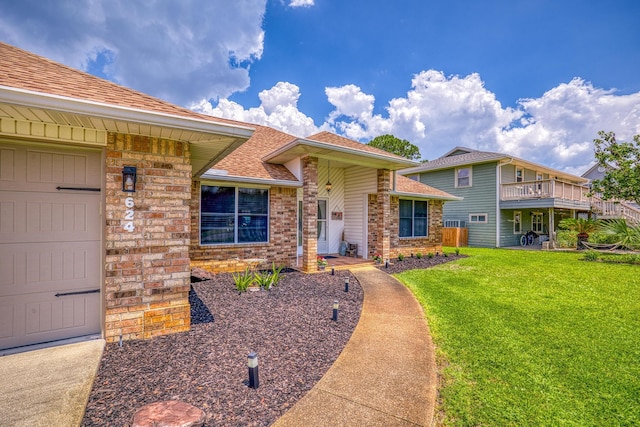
(386, 374)
(48, 387)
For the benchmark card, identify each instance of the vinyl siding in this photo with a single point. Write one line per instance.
(480, 198)
(336, 203)
(358, 183)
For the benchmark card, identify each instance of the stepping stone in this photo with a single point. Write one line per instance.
(170, 413)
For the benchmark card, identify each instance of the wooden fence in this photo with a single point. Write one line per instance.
(455, 237)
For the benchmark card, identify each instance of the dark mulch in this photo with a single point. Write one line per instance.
(414, 263)
(290, 328)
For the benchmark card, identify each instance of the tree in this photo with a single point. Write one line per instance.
(622, 159)
(398, 146)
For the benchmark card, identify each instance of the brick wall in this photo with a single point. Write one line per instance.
(281, 248)
(310, 214)
(406, 246)
(147, 268)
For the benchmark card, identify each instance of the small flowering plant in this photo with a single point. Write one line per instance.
(377, 257)
(322, 262)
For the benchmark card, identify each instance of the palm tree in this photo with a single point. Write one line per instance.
(629, 235)
(582, 226)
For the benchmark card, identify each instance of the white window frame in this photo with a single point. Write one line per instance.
(537, 226)
(457, 173)
(517, 221)
(413, 219)
(476, 218)
(521, 177)
(235, 231)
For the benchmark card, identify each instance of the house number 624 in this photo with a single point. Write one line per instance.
(128, 214)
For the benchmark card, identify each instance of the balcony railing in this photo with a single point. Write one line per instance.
(615, 209)
(544, 189)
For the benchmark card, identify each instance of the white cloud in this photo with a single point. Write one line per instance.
(301, 3)
(278, 109)
(441, 112)
(180, 51)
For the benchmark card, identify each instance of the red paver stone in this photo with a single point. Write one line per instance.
(171, 413)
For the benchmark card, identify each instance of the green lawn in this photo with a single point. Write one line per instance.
(534, 338)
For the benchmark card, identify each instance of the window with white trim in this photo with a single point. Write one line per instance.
(519, 174)
(231, 215)
(537, 222)
(413, 218)
(463, 177)
(517, 222)
(478, 218)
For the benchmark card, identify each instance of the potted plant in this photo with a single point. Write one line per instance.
(582, 226)
(377, 257)
(322, 262)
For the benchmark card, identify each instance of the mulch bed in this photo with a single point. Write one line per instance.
(409, 263)
(289, 327)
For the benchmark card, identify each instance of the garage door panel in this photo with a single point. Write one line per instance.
(44, 317)
(37, 168)
(42, 217)
(28, 268)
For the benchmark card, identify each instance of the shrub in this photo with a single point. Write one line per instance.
(430, 255)
(444, 254)
(566, 239)
(243, 280)
(419, 255)
(457, 251)
(591, 255)
(400, 257)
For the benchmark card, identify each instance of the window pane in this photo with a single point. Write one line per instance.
(218, 199)
(405, 227)
(216, 228)
(322, 209)
(253, 201)
(406, 209)
(463, 177)
(420, 209)
(420, 227)
(252, 228)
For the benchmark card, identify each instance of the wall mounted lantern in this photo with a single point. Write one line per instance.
(129, 179)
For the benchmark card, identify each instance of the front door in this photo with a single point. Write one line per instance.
(49, 243)
(323, 224)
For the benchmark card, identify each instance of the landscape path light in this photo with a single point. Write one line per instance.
(346, 284)
(335, 311)
(252, 362)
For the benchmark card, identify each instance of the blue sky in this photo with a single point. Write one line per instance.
(536, 79)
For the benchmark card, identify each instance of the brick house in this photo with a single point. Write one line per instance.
(83, 252)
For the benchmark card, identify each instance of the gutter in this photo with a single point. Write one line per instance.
(249, 180)
(427, 196)
(33, 99)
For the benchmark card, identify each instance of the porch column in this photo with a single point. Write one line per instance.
(384, 213)
(309, 214)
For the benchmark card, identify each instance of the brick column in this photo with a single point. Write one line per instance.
(384, 213)
(309, 214)
(147, 238)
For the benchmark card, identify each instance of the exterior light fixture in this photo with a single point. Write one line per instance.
(252, 362)
(346, 284)
(328, 184)
(129, 179)
(335, 311)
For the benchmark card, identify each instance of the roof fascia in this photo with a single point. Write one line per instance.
(29, 98)
(248, 180)
(426, 196)
(398, 162)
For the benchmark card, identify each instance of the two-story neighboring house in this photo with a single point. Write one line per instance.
(504, 196)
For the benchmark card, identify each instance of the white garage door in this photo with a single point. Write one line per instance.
(49, 243)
